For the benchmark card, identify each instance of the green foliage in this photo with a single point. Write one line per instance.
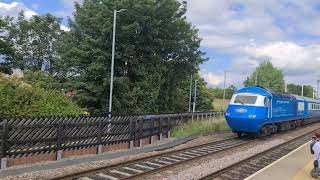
(297, 90)
(21, 99)
(200, 127)
(218, 92)
(156, 51)
(42, 79)
(205, 97)
(6, 49)
(267, 76)
(218, 104)
(35, 42)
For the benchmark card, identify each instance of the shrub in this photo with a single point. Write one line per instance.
(18, 98)
(200, 127)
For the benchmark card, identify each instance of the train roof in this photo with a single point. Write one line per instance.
(265, 91)
(269, 92)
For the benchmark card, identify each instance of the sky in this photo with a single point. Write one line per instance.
(237, 35)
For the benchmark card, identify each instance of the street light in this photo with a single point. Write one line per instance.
(190, 93)
(112, 60)
(224, 90)
(195, 96)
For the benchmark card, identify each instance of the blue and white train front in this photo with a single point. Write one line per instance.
(247, 112)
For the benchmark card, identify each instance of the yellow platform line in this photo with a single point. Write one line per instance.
(289, 154)
(304, 173)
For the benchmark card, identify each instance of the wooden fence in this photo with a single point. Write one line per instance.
(25, 136)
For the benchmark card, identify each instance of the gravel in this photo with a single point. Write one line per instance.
(208, 164)
(211, 166)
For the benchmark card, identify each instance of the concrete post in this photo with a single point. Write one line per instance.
(168, 134)
(141, 143)
(131, 144)
(4, 162)
(59, 155)
(151, 139)
(99, 149)
(160, 137)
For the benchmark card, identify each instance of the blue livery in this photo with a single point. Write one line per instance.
(257, 110)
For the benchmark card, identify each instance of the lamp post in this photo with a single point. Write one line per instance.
(190, 93)
(112, 59)
(195, 96)
(224, 90)
(318, 81)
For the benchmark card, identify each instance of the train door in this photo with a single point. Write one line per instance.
(301, 108)
(268, 104)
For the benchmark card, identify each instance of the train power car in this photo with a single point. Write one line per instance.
(261, 111)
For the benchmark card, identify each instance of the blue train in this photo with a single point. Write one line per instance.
(261, 111)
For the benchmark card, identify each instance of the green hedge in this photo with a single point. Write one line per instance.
(21, 99)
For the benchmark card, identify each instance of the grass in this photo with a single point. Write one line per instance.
(200, 127)
(217, 103)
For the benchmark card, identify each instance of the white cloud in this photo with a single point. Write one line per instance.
(68, 8)
(252, 31)
(14, 9)
(65, 28)
(211, 78)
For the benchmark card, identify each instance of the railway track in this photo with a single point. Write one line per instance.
(155, 163)
(251, 165)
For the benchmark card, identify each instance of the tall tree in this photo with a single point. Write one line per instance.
(297, 90)
(6, 49)
(267, 76)
(35, 42)
(156, 51)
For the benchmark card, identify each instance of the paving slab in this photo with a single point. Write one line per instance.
(295, 165)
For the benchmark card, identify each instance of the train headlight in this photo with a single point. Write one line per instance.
(227, 114)
(252, 116)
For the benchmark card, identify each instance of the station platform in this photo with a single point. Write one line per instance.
(294, 166)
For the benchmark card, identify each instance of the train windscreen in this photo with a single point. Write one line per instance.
(245, 99)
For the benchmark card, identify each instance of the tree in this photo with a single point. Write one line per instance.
(6, 49)
(267, 76)
(22, 99)
(297, 90)
(218, 92)
(156, 51)
(35, 42)
(205, 97)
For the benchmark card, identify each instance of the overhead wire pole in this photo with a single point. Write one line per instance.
(313, 93)
(256, 80)
(112, 59)
(224, 90)
(302, 90)
(285, 86)
(195, 96)
(190, 93)
(318, 81)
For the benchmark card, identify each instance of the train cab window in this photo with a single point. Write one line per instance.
(249, 99)
(245, 99)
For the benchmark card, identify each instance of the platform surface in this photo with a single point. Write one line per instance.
(294, 166)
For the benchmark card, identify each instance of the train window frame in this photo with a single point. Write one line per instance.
(259, 100)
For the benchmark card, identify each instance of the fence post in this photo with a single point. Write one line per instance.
(59, 141)
(99, 137)
(152, 131)
(132, 138)
(4, 144)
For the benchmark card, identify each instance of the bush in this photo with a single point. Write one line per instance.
(18, 98)
(201, 127)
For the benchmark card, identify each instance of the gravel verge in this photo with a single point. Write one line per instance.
(206, 165)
